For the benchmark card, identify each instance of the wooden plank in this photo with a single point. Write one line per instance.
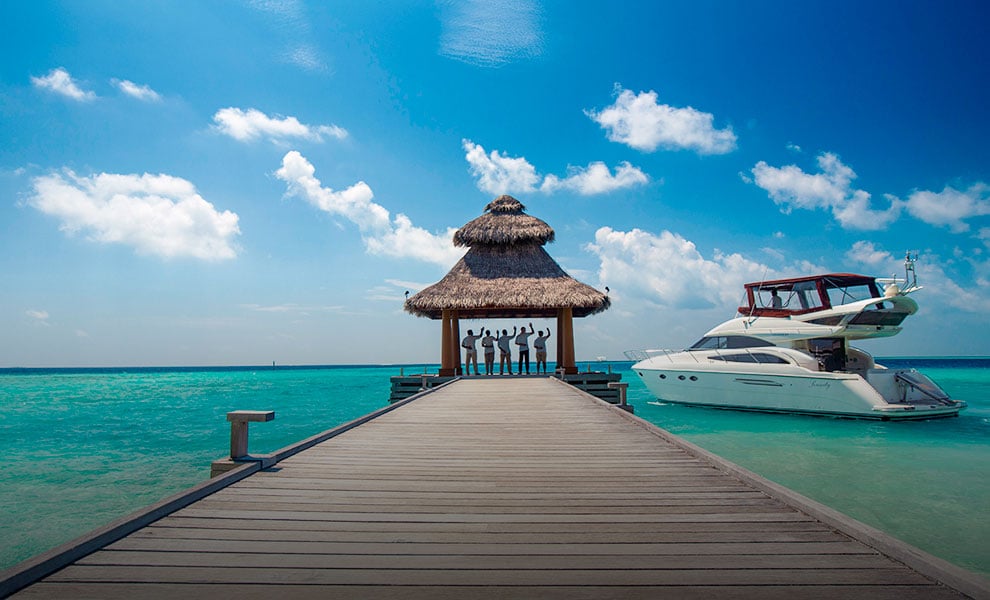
(656, 528)
(734, 516)
(460, 537)
(529, 562)
(237, 591)
(371, 548)
(433, 577)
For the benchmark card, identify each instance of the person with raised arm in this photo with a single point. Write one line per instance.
(540, 344)
(505, 350)
(522, 340)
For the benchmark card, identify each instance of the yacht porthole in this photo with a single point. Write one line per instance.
(663, 376)
(693, 378)
(681, 377)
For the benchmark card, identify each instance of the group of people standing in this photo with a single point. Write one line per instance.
(504, 342)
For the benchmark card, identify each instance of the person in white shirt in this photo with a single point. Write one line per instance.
(471, 355)
(505, 350)
(522, 340)
(540, 344)
(488, 343)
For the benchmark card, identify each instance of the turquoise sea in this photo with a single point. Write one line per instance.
(82, 447)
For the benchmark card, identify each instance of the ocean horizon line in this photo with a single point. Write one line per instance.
(303, 366)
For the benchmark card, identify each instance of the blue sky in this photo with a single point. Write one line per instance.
(220, 183)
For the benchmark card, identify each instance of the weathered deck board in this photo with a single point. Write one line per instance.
(489, 489)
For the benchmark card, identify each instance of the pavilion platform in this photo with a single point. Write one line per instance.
(491, 488)
(596, 383)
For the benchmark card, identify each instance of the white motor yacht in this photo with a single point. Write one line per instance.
(788, 351)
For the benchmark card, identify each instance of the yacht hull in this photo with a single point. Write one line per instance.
(790, 389)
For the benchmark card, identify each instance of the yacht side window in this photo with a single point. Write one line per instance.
(763, 357)
(807, 294)
(709, 343)
(846, 294)
(738, 358)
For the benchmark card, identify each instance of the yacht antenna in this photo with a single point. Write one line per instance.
(910, 276)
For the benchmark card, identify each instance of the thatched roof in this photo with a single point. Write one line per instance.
(504, 223)
(506, 273)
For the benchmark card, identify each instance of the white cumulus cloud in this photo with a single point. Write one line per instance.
(141, 92)
(831, 189)
(668, 270)
(60, 82)
(950, 207)
(596, 179)
(251, 124)
(157, 215)
(382, 234)
(641, 122)
(498, 173)
(490, 33)
(866, 253)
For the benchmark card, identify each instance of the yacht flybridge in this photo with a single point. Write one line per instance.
(788, 351)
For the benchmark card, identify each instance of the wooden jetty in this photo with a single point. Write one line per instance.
(491, 488)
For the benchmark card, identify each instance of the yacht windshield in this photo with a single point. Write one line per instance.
(722, 342)
(847, 294)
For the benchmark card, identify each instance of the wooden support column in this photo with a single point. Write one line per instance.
(560, 339)
(566, 319)
(446, 346)
(455, 327)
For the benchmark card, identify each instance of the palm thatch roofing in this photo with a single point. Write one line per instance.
(506, 273)
(504, 224)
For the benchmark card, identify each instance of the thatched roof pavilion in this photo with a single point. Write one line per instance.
(506, 273)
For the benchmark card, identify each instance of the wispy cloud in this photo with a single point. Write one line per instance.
(383, 235)
(490, 33)
(641, 122)
(498, 173)
(140, 92)
(830, 189)
(288, 18)
(251, 124)
(58, 81)
(39, 316)
(157, 215)
(292, 308)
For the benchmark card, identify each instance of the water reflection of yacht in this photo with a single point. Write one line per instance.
(788, 351)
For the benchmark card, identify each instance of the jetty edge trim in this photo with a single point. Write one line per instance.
(38, 567)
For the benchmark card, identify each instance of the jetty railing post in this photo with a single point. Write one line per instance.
(239, 420)
(622, 386)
